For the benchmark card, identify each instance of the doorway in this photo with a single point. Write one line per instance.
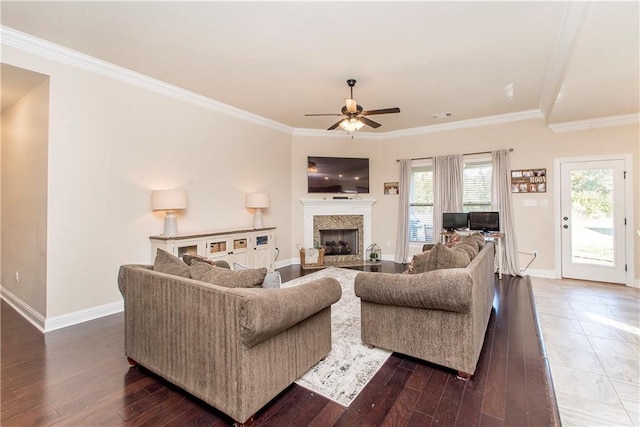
(593, 209)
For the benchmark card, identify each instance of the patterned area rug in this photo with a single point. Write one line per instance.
(350, 364)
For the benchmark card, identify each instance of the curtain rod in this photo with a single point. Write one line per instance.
(465, 154)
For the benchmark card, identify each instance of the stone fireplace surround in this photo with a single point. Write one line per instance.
(338, 213)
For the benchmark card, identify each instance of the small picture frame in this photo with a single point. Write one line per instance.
(391, 188)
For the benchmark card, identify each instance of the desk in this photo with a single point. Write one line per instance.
(496, 237)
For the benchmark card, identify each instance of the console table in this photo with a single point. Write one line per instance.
(254, 248)
(496, 237)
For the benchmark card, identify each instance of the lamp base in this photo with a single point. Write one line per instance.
(170, 224)
(257, 219)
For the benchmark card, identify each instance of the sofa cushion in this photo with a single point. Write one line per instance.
(479, 238)
(189, 259)
(168, 263)
(419, 263)
(271, 280)
(443, 257)
(228, 278)
(470, 249)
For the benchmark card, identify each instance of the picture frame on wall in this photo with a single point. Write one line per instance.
(529, 181)
(391, 188)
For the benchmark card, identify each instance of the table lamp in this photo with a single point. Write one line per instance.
(169, 201)
(257, 201)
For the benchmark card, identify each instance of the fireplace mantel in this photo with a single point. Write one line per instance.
(314, 207)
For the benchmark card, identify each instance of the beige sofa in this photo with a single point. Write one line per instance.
(234, 348)
(440, 316)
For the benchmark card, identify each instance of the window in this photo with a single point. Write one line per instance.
(476, 194)
(476, 185)
(421, 202)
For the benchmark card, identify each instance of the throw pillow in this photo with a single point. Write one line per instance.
(419, 263)
(471, 250)
(444, 257)
(228, 278)
(473, 242)
(453, 240)
(479, 238)
(166, 262)
(189, 259)
(271, 280)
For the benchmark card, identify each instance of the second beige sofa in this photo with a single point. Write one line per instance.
(439, 316)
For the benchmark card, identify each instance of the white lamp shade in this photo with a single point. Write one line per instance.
(168, 200)
(257, 200)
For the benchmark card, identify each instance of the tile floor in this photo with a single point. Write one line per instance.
(591, 333)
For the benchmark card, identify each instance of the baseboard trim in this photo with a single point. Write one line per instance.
(81, 316)
(24, 309)
(58, 322)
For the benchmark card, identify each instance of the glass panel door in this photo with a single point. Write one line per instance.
(593, 220)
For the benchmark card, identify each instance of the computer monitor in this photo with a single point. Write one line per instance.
(484, 221)
(455, 221)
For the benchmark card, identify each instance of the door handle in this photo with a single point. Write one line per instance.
(566, 218)
(565, 226)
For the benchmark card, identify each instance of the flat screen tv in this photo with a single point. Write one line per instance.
(337, 175)
(484, 221)
(455, 221)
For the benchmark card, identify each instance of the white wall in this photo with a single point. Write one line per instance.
(534, 144)
(24, 197)
(110, 144)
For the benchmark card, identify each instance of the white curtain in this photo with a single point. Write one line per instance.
(404, 186)
(447, 189)
(501, 202)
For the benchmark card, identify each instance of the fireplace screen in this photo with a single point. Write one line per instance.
(339, 242)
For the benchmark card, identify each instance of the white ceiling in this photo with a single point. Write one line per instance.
(280, 60)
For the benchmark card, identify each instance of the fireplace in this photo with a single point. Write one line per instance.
(339, 242)
(346, 221)
(341, 236)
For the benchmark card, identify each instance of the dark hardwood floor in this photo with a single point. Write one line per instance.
(78, 376)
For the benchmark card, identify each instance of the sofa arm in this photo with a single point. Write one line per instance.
(449, 290)
(267, 312)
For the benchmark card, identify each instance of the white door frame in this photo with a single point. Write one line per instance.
(628, 211)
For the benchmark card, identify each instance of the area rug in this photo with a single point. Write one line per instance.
(350, 364)
(339, 264)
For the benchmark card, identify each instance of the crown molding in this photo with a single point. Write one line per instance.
(333, 134)
(600, 122)
(469, 123)
(28, 43)
(460, 124)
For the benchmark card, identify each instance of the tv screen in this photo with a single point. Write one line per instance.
(337, 175)
(455, 221)
(485, 221)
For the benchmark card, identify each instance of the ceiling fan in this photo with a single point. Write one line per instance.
(354, 115)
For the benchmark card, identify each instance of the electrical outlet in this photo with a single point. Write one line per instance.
(17, 276)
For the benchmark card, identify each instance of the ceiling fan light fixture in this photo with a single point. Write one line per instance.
(351, 125)
(351, 105)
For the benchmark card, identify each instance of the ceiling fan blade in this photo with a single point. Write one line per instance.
(382, 111)
(327, 114)
(368, 122)
(335, 125)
